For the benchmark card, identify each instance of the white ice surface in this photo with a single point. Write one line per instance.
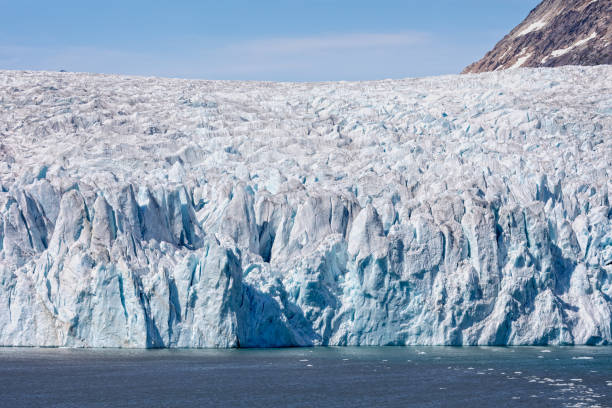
(146, 212)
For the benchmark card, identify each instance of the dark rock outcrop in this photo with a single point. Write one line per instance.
(556, 33)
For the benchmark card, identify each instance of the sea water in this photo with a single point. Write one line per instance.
(308, 377)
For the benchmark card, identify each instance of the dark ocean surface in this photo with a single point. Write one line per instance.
(308, 377)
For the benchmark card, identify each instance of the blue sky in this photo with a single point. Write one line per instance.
(290, 40)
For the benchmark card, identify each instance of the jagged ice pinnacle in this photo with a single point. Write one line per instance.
(463, 210)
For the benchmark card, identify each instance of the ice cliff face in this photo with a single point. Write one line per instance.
(140, 212)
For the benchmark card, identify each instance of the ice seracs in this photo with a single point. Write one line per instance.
(147, 212)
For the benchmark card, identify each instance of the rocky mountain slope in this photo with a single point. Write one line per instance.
(556, 33)
(144, 212)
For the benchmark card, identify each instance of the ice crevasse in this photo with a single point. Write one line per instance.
(455, 210)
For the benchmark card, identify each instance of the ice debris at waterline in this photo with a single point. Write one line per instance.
(146, 212)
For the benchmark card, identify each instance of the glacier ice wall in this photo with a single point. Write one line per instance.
(146, 212)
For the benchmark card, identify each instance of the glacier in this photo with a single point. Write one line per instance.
(454, 210)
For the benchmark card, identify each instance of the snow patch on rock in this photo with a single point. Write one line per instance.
(538, 25)
(579, 43)
(521, 60)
